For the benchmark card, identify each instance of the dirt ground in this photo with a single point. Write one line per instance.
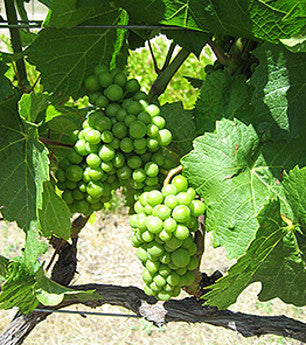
(106, 256)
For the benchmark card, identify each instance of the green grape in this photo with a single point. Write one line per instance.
(129, 119)
(159, 122)
(112, 109)
(93, 160)
(152, 130)
(154, 287)
(180, 257)
(154, 198)
(173, 278)
(100, 122)
(171, 201)
(132, 86)
(124, 172)
(133, 220)
(61, 185)
(96, 206)
(95, 189)
(121, 114)
(140, 95)
(74, 173)
(164, 270)
(102, 102)
(77, 195)
(181, 232)
(193, 264)
(152, 144)
(137, 130)
(169, 189)
(188, 278)
(165, 258)
(115, 143)
(74, 157)
(119, 130)
(164, 235)
(151, 266)
(140, 144)
(120, 79)
(164, 137)
(80, 147)
(126, 102)
(192, 249)
(187, 242)
(107, 137)
(134, 162)
(151, 181)
(181, 213)
(105, 79)
(144, 117)
(161, 211)
(118, 160)
(94, 96)
(147, 236)
(184, 198)
(151, 169)
(113, 92)
(60, 175)
(95, 174)
(197, 208)
(180, 182)
(82, 206)
(92, 84)
(134, 108)
(107, 166)
(147, 276)
(91, 200)
(174, 243)
(148, 291)
(153, 110)
(191, 192)
(159, 280)
(86, 177)
(142, 255)
(106, 153)
(64, 163)
(100, 69)
(154, 224)
(158, 158)
(170, 225)
(68, 197)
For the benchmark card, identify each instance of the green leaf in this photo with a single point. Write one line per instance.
(5, 87)
(33, 248)
(31, 106)
(181, 124)
(18, 289)
(195, 82)
(297, 43)
(294, 185)
(64, 64)
(223, 96)
(3, 266)
(50, 293)
(273, 258)
(54, 215)
(230, 171)
(280, 90)
(24, 167)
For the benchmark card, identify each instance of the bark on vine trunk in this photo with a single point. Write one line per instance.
(188, 310)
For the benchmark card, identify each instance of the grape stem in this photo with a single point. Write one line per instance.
(171, 173)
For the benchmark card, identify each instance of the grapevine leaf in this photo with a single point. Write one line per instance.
(229, 170)
(295, 190)
(18, 289)
(5, 87)
(195, 82)
(70, 13)
(193, 41)
(257, 19)
(24, 167)
(222, 96)
(3, 266)
(50, 293)
(33, 247)
(31, 106)
(181, 124)
(297, 43)
(273, 258)
(65, 65)
(280, 90)
(54, 216)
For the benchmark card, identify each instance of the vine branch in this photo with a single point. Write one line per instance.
(187, 310)
(218, 52)
(15, 39)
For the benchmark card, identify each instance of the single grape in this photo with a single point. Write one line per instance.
(118, 160)
(82, 206)
(121, 114)
(170, 225)
(124, 172)
(107, 166)
(164, 235)
(193, 264)
(93, 160)
(184, 198)
(140, 144)
(152, 144)
(112, 109)
(137, 130)
(95, 174)
(197, 208)
(180, 182)
(147, 276)
(94, 96)
(164, 137)
(74, 157)
(144, 117)
(92, 84)
(113, 92)
(68, 197)
(129, 119)
(60, 175)
(74, 173)
(181, 213)
(181, 232)
(159, 121)
(134, 108)
(126, 145)
(106, 153)
(95, 189)
(153, 110)
(105, 79)
(143, 255)
(134, 162)
(151, 266)
(120, 79)
(152, 130)
(154, 224)
(132, 86)
(107, 137)
(151, 169)
(180, 257)
(80, 147)
(159, 280)
(154, 198)
(161, 211)
(102, 102)
(119, 130)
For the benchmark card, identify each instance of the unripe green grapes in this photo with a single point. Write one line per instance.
(163, 226)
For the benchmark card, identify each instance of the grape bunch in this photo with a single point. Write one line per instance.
(164, 224)
(121, 143)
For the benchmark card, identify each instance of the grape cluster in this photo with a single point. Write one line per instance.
(163, 227)
(121, 143)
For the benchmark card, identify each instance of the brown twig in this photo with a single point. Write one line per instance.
(53, 142)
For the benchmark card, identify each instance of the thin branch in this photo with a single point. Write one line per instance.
(15, 37)
(156, 69)
(162, 81)
(169, 55)
(53, 142)
(171, 173)
(218, 52)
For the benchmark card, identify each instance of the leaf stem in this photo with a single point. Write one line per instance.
(156, 69)
(169, 55)
(54, 142)
(162, 81)
(15, 39)
(218, 52)
(171, 173)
